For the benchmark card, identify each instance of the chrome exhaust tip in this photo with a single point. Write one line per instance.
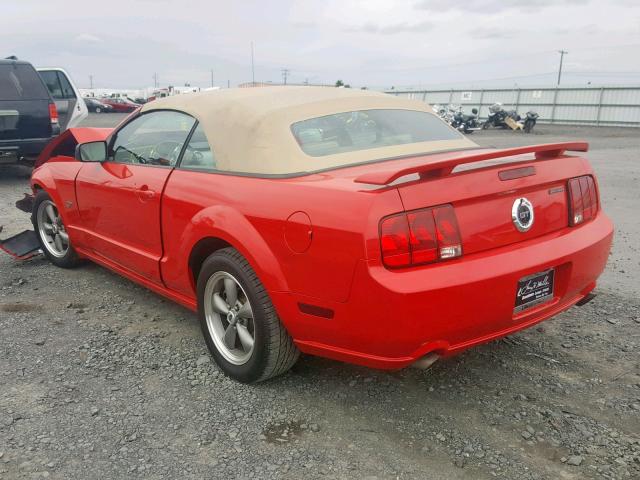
(425, 362)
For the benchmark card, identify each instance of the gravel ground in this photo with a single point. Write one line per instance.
(101, 378)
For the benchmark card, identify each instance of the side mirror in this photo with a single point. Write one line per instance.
(91, 152)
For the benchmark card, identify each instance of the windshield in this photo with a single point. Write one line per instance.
(365, 129)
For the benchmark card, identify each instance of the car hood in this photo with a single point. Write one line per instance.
(65, 143)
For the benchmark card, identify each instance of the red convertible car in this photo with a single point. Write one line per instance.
(121, 105)
(348, 224)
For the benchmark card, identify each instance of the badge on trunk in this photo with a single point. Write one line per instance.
(522, 214)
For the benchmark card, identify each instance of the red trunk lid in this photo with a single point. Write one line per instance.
(484, 197)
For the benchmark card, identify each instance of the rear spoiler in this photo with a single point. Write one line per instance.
(445, 162)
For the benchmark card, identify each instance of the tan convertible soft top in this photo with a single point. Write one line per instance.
(249, 129)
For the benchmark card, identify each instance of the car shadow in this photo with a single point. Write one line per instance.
(10, 173)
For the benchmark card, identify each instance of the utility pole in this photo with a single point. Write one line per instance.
(285, 74)
(91, 82)
(155, 80)
(253, 68)
(212, 78)
(562, 54)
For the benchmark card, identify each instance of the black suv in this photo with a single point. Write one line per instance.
(28, 115)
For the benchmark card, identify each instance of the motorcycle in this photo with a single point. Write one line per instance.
(439, 110)
(530, 121)
(444, 112)
(465, 123)
(498, 115)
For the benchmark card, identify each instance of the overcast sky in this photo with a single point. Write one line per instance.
(363, 42)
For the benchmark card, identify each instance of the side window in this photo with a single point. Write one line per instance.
(198, 154)
(154, 138)
(67, 90)
(50, 78)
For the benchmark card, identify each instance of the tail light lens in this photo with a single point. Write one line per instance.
(583, 199)
(53, 113)
(419, 237)
(394, 240)
(449, 242)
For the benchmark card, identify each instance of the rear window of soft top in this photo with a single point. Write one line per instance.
(366, 129)
(21, 82)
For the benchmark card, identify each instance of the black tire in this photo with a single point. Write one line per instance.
(274, 352)
(528, 127)
(98, 110)
(70, 258)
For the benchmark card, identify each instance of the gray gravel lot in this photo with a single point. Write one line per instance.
(102, 379)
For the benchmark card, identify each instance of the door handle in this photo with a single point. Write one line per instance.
(144, 193)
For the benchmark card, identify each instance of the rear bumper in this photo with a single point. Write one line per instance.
(393, 318)
(14, 150)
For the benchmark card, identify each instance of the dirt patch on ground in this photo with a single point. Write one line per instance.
(19, 307)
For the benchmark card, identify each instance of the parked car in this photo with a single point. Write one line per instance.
(28, 115)
(332, 222)
(71, 109)
(120, 105)
(95, 105)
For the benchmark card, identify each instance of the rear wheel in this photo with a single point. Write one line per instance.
(52, 233)
(98, 110)
(528, 126)
(238, 320)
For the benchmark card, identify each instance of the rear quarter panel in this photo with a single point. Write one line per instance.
(251, 214)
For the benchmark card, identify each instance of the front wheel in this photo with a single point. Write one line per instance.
(98, 110)
(52, 233)
(238, 320)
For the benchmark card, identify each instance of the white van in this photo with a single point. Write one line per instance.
(71, 108)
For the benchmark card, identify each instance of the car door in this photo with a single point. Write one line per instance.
(119, 199)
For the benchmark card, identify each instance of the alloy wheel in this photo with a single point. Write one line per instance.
(229, 318)
(51, 229)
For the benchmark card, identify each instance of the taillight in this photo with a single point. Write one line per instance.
(449, 242)
(53, 113)
(424, 240)
(420, 236)
(394, 240)
(583, 199)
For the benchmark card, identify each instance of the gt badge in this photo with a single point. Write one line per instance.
(522, 214)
